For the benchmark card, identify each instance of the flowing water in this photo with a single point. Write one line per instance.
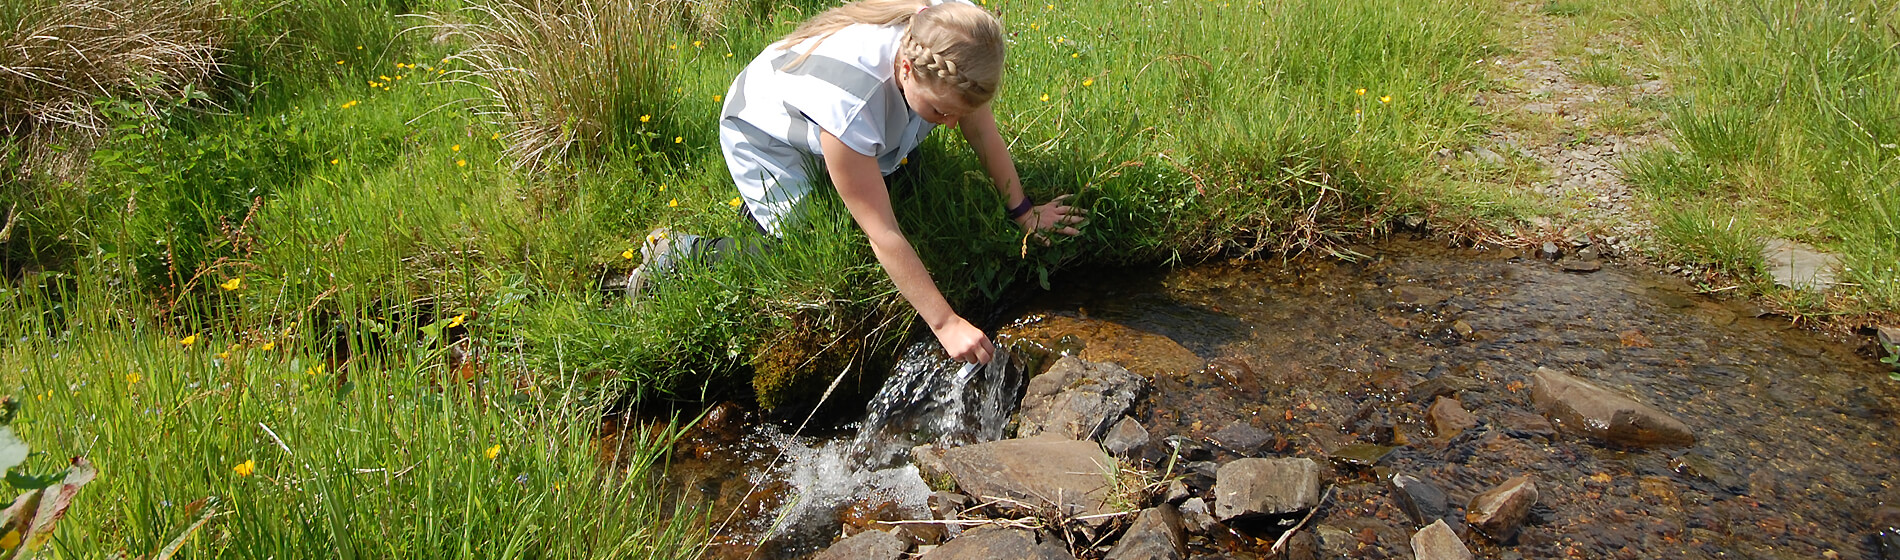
(1795, 455)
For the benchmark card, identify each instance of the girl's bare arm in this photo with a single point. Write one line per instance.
(861, 186)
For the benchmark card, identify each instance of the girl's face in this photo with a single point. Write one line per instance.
(939, 107)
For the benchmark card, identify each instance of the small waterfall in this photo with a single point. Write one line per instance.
(928, 398)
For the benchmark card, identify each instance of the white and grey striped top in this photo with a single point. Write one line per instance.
(769, 126)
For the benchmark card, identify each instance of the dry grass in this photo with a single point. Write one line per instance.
(57, 57)
(565, 76)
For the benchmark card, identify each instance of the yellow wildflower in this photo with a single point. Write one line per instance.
(1088, 82)
(461, 163)
(1075, 55)
(645, 118)
(455, 148)
(133, 378)
(492, 452)
(1049, 7)
(1059, 40)
(232, 284)
(662, 187)
(339, 62)
(188, 340)
(735, 202)
(245, 468)
(678, 139)
(457, 320)
(225, 355)
(696, 44)
(1385, 99)
(728, 55)
(1045, 98)
(672, 46)
(383, 78)
(1360, 91)
(495, 136)
(627, 254)
(359, 47)
(268, 346)
(335, 161)
(1033, 27)
(717, 98)
(673, 203)
(314, 370)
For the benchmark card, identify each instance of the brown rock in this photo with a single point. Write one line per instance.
(1078, 399)
(1437, 542)
(1500, 511)
(1578, 407)
(1157, 534)
(1255, 487)
(868, 545)
(1037, 472)
(1448, 418)
(991, 542)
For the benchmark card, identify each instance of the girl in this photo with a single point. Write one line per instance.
(851, 93)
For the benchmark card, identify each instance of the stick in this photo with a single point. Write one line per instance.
(1280, 543)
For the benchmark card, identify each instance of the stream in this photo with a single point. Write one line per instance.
(1794, 456)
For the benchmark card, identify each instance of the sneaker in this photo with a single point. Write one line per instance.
(660, 255)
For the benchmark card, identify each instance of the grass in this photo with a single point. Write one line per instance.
(1783, 115)
(385, 227)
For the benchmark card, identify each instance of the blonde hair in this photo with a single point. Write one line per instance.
(951, 44)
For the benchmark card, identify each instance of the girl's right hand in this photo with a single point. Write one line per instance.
(964, 342)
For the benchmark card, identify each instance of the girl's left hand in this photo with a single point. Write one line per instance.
(1054, 216)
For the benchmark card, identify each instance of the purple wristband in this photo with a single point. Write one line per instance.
(1021, 209)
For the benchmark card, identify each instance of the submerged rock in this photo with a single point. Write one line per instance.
(1038, 472)
(1500, 511)
(1241, 437)
(868, 545)
(1578, 407)
(1078, 399)
(1437, 542)
(1127, 436)
(1420, 500)
(1448, 419)
(1363, 455)
(990, 542)
(1259, 487)
(1518, 423)
(1157, 534)
(1580, 265)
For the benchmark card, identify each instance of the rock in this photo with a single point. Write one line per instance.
(1200, 475)
(1156, 534)
(1361, 455)
(1078, 399)
(1889, 339)
(1176, 493)
(929, 461)
(1241, 437)
(1580, 265)
(1486, 155)
(1518, 423)
(1195, 516)
(1888, 540)
(1549, 251)
(990, 542)
(1420, 500)
(1302, 546)
(1437, 542)
(1500, 511)
(1448, 418)
(948, 505)
(868, 545)
(1799, 266)
(1462, 328)
(1127, 436)
(922, 534)
(1442, 386)
(1042, 471)
(1260, 487)
(1578, 407)
(1696, 466)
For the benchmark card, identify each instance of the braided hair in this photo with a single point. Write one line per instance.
(954, 45)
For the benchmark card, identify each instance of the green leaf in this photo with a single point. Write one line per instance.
(12, 450)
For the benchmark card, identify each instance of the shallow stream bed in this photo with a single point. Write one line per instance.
(1795, 457)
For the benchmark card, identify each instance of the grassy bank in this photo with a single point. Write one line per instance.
(352, 289)
(1786, 127)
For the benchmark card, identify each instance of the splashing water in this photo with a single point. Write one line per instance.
(928, 398)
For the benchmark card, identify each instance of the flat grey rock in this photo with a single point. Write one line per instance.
(991, 542)
(868, 545)
(1438, 542)
(1157, 534)
(1079, 399)
(1259, 487)
(1241, 437)
(1800, 266)
(1125, 437)
(1038, 472)
(1578, 407)
(1420, 500)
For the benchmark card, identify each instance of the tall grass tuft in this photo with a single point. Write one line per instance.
(61, 55)
(568, 76)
